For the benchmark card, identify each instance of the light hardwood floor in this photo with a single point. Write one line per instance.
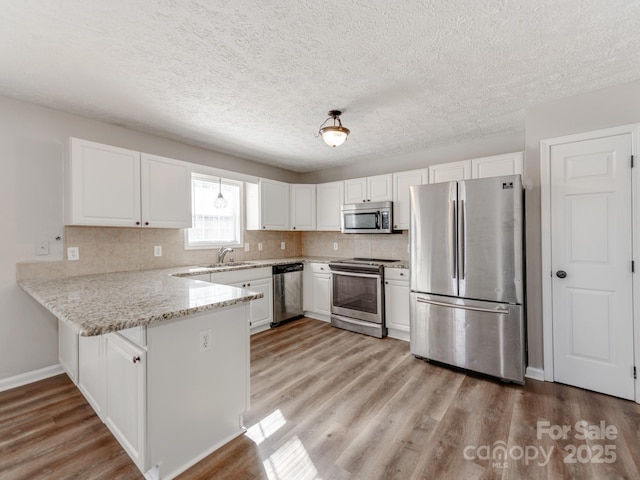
(330, 404)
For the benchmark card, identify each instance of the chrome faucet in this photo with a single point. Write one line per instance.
(222, 252)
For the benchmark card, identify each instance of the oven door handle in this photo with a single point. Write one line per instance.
(352, 274)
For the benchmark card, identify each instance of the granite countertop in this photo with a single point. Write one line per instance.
(108, 302)
(103, 303)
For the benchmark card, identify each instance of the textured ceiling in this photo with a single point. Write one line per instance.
(256, 79)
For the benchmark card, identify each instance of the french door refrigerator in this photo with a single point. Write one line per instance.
(466, 276)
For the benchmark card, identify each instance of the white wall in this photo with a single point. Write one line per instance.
(604, 108)
(32, 142)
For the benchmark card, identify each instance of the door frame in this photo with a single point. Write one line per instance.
(545, 231)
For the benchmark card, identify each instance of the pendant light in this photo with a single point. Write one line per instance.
(334, 135)
(220, 202)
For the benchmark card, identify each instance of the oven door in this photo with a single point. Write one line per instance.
(357, 295)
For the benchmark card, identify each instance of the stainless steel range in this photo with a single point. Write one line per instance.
(357, 295)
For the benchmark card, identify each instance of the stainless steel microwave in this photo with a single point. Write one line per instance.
(376, 217)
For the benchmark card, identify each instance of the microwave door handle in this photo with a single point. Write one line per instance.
(378, 220)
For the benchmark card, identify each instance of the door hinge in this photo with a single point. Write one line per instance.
(635, 373)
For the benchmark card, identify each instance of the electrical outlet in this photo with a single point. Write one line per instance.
(246, 247)
(204, 340)
(260, 246)
(157, 251)
(73, 253)
(335, 245)
(283, 245)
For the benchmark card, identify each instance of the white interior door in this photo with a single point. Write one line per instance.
(591, 241)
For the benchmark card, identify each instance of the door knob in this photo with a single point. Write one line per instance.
(561, 274)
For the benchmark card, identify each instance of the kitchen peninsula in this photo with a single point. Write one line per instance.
(162, 359)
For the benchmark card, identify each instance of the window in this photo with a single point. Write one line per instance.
(213, 227)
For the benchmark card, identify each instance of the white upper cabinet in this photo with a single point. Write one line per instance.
(267, 205)
(102, 185)
(165, 192)
(449, 172)
(115, 187)
(401, 204)
(302, 201)
(330, 197)
(497, 165)
(369, 189)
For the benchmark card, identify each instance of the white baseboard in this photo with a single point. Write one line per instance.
(535, 373)
(30, 377)
(317, 316)
(398, 334)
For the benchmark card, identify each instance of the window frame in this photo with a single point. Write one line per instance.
(241, 213)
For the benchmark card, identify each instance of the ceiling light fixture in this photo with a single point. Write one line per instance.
(220, 201)
(334, 135)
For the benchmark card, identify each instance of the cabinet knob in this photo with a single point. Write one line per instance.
(136, 359)
(137, 223)
(368, 199)
(146, 223)
(395, 226)
(364, 200)
(263, 227)
(248, 284)
(294, 228)
(244, 285)
(386, 283)
(322, 268)
(401, 274)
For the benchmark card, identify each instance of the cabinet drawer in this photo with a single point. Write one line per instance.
(318, 267)
(396, 274)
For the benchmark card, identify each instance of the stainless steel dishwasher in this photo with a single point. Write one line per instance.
(287, 293)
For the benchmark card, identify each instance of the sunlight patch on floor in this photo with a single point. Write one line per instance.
(291, 462)
(266, 427)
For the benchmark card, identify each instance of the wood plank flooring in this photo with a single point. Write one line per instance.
(331, 404)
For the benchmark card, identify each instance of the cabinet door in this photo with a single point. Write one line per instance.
(68, 350)
(302, 200)
(380, 188)
(262, 308)
(166, 192)
(396, 297)
(126, 396)
(497, 165)
(102, 185)
(322, 293)
(449, 172)
(355, 190)
(401, 204)
(274, 205)
(91, 372)
(330, 197)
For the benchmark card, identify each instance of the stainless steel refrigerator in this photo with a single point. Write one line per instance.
(467, 275)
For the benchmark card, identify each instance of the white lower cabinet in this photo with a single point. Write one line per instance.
(261, 309)
(317, 291)
(257, 280)
(396, 297)
(126, 376)
(68, 350)
(91, 372)
(167, 400)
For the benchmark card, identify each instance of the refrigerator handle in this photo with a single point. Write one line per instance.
(463, 241)
(454, 237)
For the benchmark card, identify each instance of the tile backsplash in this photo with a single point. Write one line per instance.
(110, 249)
